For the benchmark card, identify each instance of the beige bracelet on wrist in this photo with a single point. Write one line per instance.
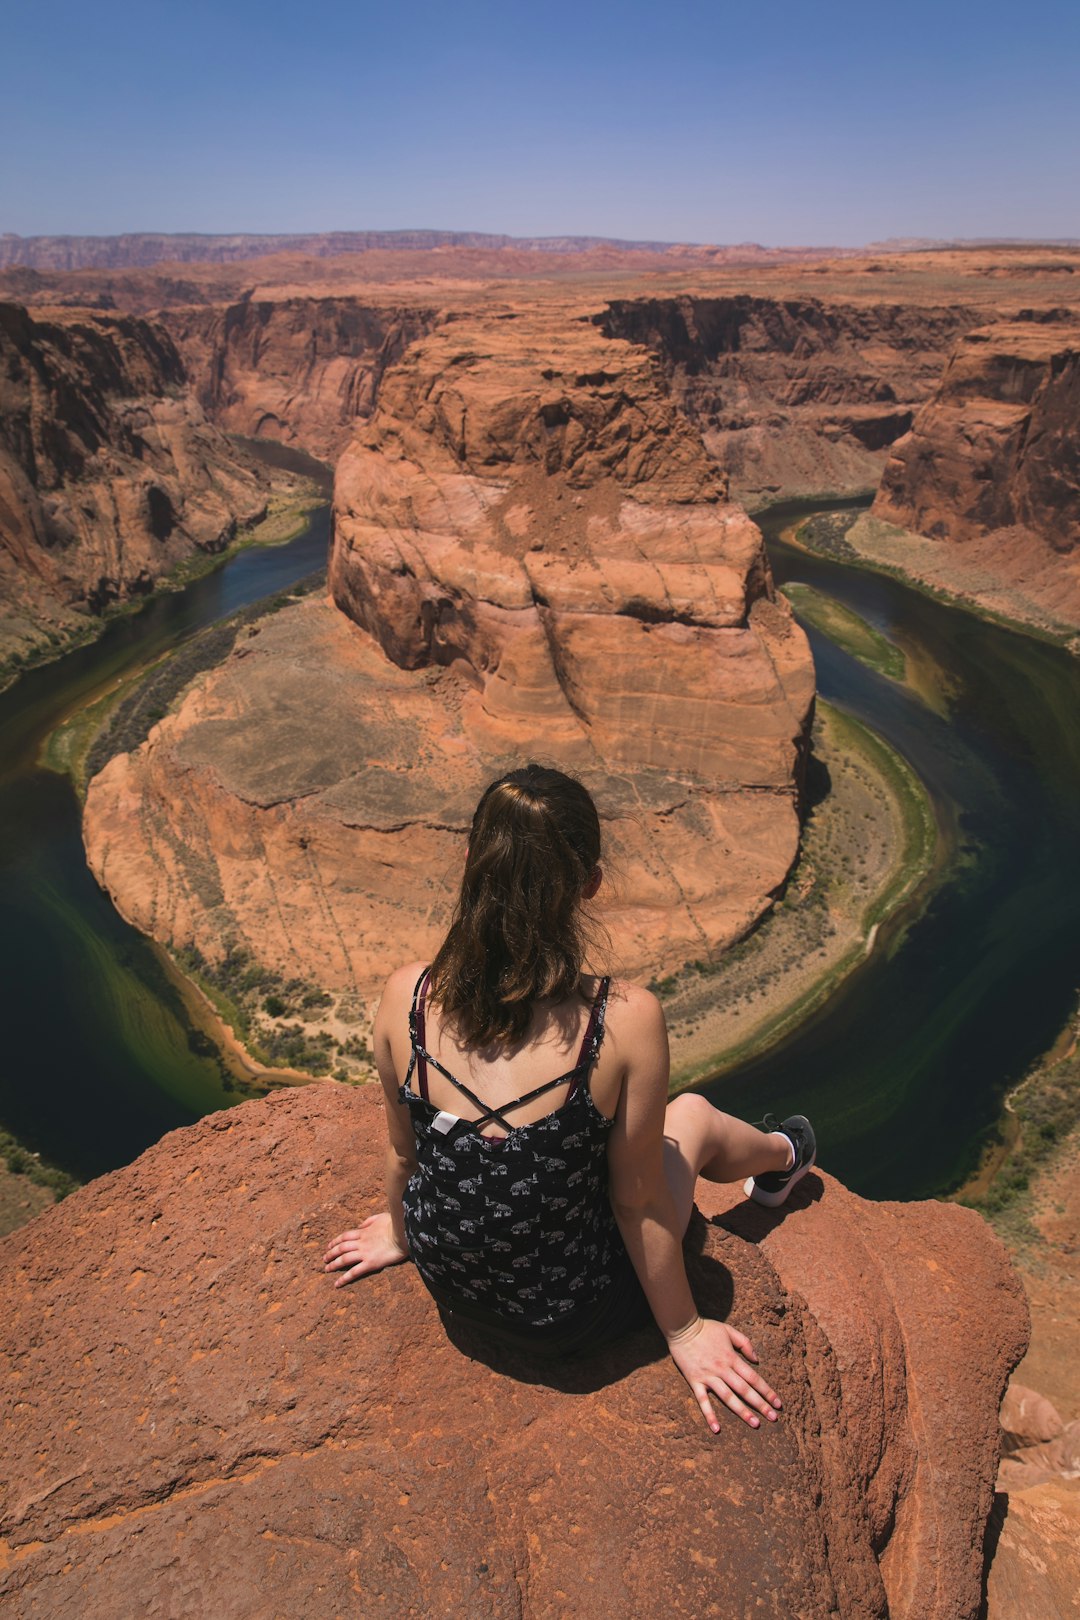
(690, 1331)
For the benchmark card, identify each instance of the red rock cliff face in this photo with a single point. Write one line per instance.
(190, 1408)
(998, 444)
(109, 472)
(300, 370)
(794, 396)
(533, 555)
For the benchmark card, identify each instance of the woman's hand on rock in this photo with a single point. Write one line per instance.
(369, 1247)
(715, 1361)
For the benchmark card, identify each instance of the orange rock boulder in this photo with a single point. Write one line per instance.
(193, 1415)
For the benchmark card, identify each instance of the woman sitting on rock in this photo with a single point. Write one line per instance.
(537, 1174)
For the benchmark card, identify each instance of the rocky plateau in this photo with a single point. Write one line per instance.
(190, 1409)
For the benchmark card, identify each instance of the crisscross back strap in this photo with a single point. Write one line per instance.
(420, 1057)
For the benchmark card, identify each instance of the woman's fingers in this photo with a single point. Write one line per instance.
(706, 1406)
(337, 1244)
(751, 1391)
(756, 1382)
(360, 1270)
(725, 1393)
(742, 1344)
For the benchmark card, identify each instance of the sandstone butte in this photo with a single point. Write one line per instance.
(991, 467)
(196, 1421)
(533, 554)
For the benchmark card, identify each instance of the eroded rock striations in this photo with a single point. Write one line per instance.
(991, 466)
(533, 555)
(300, 370)
(110, 473)
(794, 396)
(191, 1407)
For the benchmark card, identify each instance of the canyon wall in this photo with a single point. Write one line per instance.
(998, 444)
(794, 396)
(110, 473)
(533, 554)
(982, 497)
(301, 370)
(190, 1407)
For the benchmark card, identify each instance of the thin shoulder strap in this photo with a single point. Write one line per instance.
(418, 1055)
(594, 1029)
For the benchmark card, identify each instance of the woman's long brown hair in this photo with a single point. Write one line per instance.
(518, 935)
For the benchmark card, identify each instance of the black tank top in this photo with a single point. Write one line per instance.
(521, 1225)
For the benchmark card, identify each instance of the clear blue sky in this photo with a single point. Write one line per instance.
(779, 122)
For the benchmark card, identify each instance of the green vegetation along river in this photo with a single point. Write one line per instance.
(903, 1070)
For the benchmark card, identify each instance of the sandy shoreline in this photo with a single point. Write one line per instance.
(867, 848)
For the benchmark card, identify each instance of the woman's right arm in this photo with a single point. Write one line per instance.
(709, 1354)
(380, 1241)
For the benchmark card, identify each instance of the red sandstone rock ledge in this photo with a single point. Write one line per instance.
(533, 555)
(190, 1408)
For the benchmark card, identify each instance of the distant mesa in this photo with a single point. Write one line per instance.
(145, 248)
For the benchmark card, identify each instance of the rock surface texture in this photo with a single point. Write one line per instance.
(991, 467)
(300, 370)
(794, 395)
(533, 555)
(110, 473)
(191, 1408)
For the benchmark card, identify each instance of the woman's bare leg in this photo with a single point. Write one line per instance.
(699, 1140)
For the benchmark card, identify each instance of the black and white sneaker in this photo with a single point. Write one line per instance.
(773, 1187)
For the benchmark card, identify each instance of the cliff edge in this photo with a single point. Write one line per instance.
(192, 1408)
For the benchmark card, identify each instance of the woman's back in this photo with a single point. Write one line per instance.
(507, 1214)
(516, 1080)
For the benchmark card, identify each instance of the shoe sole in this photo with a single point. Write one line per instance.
(772, 1200)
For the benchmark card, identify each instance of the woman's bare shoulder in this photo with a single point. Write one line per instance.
(633, 1007)
(400, 985)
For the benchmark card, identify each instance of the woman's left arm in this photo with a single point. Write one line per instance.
(380, 1241)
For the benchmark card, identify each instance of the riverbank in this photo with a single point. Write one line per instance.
(286, 515)
(960, 576)
(870, 844)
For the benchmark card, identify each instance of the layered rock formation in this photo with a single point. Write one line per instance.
(110, 473)
(533, 556)
(191, 1407)
(991, 469)
(300, 370)
(794, 396)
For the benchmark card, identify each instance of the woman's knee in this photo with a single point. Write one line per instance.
(688, 1115)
